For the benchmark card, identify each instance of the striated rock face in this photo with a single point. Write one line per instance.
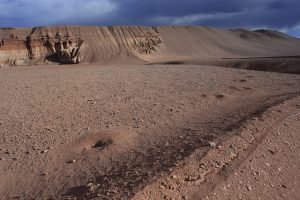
(72, 45)
(62, 49)
(40, 46)
(11, 50)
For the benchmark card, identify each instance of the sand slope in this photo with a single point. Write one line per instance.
(134, 44)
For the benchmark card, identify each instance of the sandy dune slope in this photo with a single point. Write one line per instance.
(134, 44)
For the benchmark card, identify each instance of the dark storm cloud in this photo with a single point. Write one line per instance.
(276, 14)
(229, 13)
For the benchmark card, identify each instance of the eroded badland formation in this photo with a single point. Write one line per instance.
(200, 45)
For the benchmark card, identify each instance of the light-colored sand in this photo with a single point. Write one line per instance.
(106, 132)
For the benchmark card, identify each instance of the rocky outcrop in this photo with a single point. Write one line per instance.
(12, 51)
(41, 47)
(146, 45)
(63, 49)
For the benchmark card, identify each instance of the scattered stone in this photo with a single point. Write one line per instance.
(192, 178)
(267, 164)
(45, 151)
(271, 151)
(202, 165)
(212, 144)
(284, 186)
(249, 188)
(161, 187)
(174, 176)
(71, 161)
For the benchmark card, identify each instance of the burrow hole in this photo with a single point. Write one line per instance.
(102, 144)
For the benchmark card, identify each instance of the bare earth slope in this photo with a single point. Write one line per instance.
(110, 132)
(135, 44)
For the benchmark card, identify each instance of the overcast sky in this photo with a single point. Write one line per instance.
(283, 15)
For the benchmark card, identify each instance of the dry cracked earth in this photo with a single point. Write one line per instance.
(147, 132)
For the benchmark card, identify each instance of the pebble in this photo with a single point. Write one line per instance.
(71, 161)
(161, 187)
(284, 186)
(249, 188)
(45, 151)
(271, 151)
(279, 169)
(212, 144)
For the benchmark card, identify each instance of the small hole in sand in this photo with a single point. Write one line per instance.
(219, 96)
(102, 144)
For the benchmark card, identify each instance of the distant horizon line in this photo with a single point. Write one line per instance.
(132, 25)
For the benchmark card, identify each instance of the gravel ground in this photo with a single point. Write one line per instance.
(106, 132)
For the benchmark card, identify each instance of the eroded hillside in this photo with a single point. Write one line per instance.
(133, 44)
